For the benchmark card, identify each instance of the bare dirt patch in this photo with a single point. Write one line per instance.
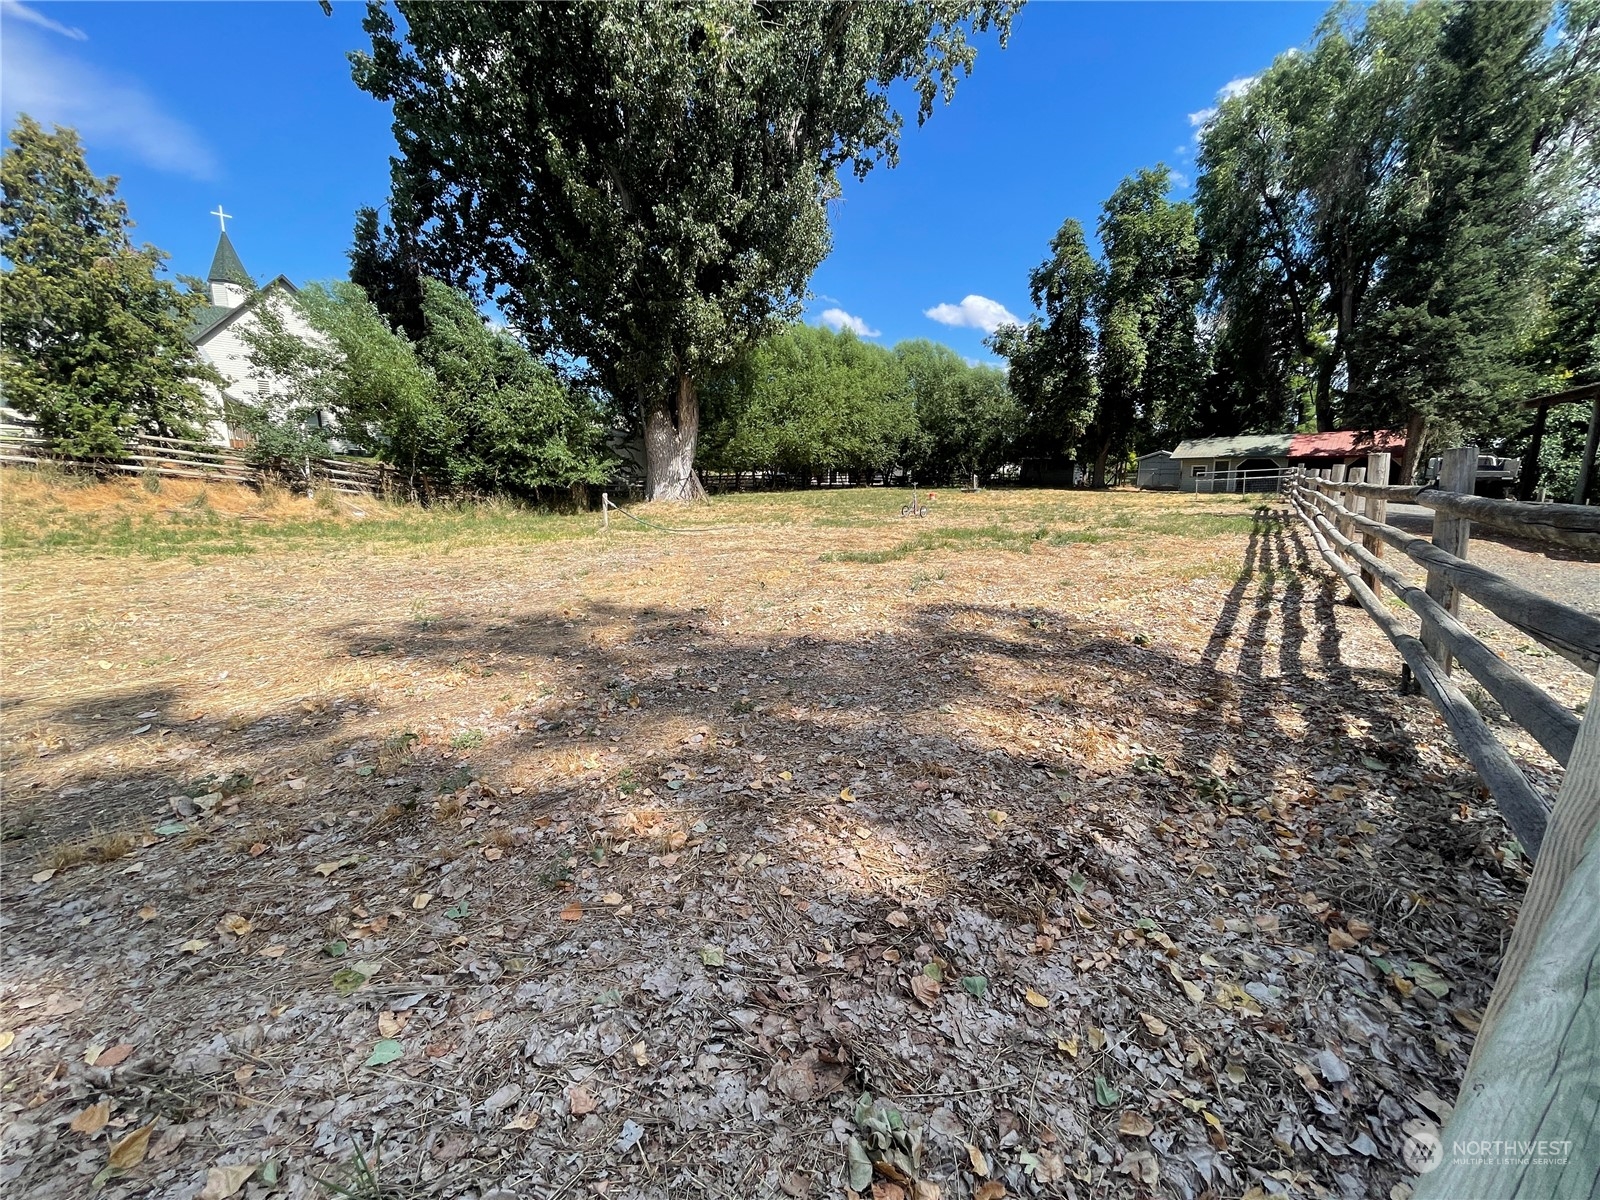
(1088, 834)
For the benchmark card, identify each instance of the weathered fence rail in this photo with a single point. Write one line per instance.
(176, 458)
(1347, 519)
(1529, 1089)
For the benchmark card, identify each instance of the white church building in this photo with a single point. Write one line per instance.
(217, 332)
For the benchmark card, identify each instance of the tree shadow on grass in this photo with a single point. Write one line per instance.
(970, 759)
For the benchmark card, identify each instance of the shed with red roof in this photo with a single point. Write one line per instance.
(1347, 446)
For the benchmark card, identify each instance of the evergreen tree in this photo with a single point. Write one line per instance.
(386, 264)
(93, 342)
(1052, 357)
(1444, 348)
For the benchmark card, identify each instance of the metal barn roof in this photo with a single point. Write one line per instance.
(1245, 445)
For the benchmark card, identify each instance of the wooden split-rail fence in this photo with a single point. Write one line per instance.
(178, 458)
(1529, 1093)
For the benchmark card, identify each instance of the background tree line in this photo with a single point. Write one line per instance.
(1396, 228)
(806, 402)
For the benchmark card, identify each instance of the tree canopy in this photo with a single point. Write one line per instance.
(1383, 215)
(1111, 361)
(643, 186)
(94, 342)
(465, 407)
(805, 400)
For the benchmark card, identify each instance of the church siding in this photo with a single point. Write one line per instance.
(227, 350)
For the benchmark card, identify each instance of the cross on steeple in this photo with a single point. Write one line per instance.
(221, 217)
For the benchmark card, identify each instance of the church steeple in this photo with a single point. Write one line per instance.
(231, 284)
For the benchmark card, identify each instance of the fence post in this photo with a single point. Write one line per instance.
(1530, 1079)
(1354, 501)
(605, 510)
(1377, 509)
(1336, 478)
(1458, 469)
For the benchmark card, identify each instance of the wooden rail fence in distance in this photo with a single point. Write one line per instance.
(175, 458)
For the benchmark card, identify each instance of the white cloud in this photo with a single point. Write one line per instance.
(837, 319)
(1237, 87)
(975, 312)
(1228, 91)
(58, 89)
(1179, 179)
(18, 11)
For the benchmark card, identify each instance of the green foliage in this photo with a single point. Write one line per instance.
(805, 400)
(1379, 213)
(1299, 180)
(1148, 364)
(966, 418)
(466, 408)
(1442, 347)
(1113, 362)
(94, 344)
(644, 187)
(509, 424)
(1052, 357)
(334, 360)
(385, 264)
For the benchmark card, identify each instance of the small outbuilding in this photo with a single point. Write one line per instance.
(1250, 462)
(1159, 470)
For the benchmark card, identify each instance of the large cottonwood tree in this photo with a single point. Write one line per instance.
(642, 186)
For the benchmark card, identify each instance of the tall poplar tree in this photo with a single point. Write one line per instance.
(1052, 357)
(643, 186)
(1148, 362)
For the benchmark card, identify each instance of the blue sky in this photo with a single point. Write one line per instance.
(250, 105)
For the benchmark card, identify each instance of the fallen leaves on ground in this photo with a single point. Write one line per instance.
(224, 1182)
(92, 1119)
(1129, 871)
(129, 1151)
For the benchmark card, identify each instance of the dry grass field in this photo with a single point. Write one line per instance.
(359, 850)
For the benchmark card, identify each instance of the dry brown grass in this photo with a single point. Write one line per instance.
(99, 848)
(777, 732)
(112, 499)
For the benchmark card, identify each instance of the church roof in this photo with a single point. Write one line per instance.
(226, 267)
(212, 318)
(204, 318)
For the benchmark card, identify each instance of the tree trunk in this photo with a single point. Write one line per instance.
(1416, 445)
(671, 433)
(1324, 398)
(1100, 456)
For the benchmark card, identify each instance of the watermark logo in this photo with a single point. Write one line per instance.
(1422, 1151)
